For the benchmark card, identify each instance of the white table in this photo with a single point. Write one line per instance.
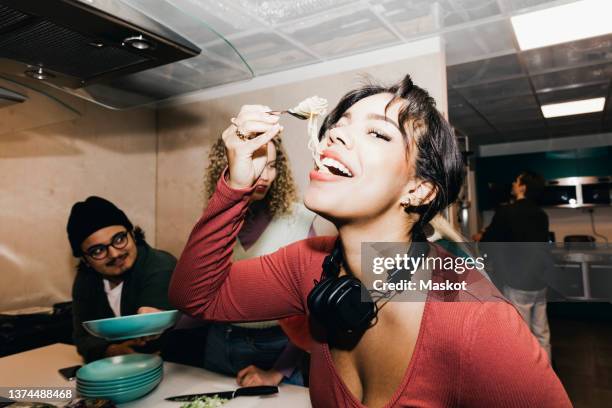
(38, 368)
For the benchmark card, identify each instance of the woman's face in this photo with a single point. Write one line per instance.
(267, 177)
(366, 164)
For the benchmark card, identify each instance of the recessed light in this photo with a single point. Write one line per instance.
(38, 73)
(573, 108)
(138, 42)
(569, 22)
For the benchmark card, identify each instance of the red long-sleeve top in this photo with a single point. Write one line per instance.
(469, 354)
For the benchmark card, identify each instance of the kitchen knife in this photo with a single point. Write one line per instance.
(240, 392)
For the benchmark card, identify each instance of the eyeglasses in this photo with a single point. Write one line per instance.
(100, 251)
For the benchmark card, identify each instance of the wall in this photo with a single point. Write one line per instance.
(50, 157)
(186, 133)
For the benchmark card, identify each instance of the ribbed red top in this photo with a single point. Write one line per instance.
(469, 354)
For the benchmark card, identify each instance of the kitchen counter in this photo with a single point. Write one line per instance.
(586, 273)
(38, 368)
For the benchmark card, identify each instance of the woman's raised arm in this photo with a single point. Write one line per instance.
(206, 283)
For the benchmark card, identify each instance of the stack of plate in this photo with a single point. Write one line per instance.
(121, 378)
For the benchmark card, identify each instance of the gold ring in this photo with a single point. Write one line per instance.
(241, 135)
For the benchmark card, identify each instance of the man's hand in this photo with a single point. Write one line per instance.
(252, 376)
(126, 347)
(148, 309)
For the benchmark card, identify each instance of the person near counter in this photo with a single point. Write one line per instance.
(118, 274)
(523, 283)
(390, 164)
(259, 353)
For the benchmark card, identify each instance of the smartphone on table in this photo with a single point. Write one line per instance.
(69, 373)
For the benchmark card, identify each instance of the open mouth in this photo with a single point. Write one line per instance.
(333, 166)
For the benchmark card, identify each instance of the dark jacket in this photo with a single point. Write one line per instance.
(146, 284)
(522, 260)
(521, 221)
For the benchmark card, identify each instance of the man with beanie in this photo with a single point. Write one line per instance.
(118, 274)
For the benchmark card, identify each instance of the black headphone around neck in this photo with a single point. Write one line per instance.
(343, 303)
(336, 302)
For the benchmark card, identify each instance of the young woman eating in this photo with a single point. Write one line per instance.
(395, 166)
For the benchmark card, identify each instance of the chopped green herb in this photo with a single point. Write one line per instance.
(206, 402)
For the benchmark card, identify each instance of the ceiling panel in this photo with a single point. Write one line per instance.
(526, 5)
(563, 56)
(339, 34)
(575, 130)
(472, 124)
(520, 113)
(526, 114)
(268, 52)
(478, 42)
(221, 16)
(418, 17)
(273, 12)
(163, 82)
(487, 70)
(526, 133)
(411, 18)
(492, 94)
(574, 93)
(457, 105)
(571, 78)
(576, 124)
(514, 125)
(575, 120)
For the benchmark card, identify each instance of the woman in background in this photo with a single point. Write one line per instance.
(258, 352)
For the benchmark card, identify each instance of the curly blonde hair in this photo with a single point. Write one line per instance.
(282, 193)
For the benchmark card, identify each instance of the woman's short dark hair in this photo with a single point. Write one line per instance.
(438, 159)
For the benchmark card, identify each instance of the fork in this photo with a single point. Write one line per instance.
(290, 112)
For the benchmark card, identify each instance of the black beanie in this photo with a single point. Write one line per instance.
(91, 215)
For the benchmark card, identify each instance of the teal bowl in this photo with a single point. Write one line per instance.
(128, 382)
(119, 367)
(132, 326)
(124, 396)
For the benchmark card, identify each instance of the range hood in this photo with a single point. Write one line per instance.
(77, 43)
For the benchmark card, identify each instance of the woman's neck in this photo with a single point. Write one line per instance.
(392, 229)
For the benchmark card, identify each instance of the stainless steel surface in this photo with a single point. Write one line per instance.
(586, 260)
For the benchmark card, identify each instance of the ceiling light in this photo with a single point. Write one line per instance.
(573, 108)
(569, 22)
(138, 42)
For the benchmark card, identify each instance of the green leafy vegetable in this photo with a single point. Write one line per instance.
(206, 402)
